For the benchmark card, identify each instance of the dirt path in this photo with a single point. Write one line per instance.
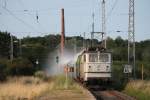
(67, 95)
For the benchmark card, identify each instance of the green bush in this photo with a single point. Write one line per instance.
(138, 89)
(41, 75)
(61, 82)
(146, 69)
(3, 69)
(118, 77)
(2, 73)
(20, 66)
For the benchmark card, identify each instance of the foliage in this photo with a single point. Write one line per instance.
(117, 74)
(20, 66)
(38, 48)
(41, 75)
(146, 70)
(63, 82)
(3, 69)
(4, 44)
(18, 88)
(120, 79)
(139, 89)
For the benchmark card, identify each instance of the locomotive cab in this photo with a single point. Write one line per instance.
(94, 65)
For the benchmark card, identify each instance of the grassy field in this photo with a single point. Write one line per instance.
(22, 88)
(31, 88)
(138, 89)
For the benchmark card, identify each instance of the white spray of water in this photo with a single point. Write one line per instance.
(54, 68)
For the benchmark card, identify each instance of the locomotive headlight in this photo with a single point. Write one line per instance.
(107, 67)
(89, 68)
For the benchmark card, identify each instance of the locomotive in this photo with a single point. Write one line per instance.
(94, 64)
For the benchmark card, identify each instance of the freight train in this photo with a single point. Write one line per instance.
(94, 64)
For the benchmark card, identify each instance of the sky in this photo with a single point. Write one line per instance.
(19, 17)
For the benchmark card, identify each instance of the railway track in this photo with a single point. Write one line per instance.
(110, 95)
(103, 93)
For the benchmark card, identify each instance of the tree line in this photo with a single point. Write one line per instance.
(37, 49)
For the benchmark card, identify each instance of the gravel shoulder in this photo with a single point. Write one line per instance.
(73, 94)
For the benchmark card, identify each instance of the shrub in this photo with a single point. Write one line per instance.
(41, 75)
(3, 69)
(20, 66)
(2, 73)
(118, 75)
(62, 83)
(139, 89)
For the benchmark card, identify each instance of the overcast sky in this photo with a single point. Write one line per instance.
(19, 17)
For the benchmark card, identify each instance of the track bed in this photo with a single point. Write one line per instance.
(111, 95)
(105, 93)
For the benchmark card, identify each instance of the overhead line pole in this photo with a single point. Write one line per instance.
(84, 40)
(103, 33)
(103, 24)
(92, 33)
(131, 37)
(11, 48)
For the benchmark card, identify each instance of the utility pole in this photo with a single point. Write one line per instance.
(20, 47)
(75, 46)
(142, 71)
(84, 41)
(131, 37)
(11, 48)
(103, 24)
(103, 32)
(92, 33)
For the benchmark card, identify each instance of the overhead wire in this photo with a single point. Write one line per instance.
(39, 24)
(42, 10)
(37, 15)
(22, 21)
(112, 8)
(3, 3)
(45, 9)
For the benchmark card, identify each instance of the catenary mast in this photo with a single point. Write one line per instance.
(131, 36)
(103, 24)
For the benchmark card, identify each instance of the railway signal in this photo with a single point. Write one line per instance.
(37, 61)
(57, 59)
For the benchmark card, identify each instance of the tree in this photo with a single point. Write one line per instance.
(20, 66)
(110, 43)
(119, 41)
(4, 44)
(3, 69)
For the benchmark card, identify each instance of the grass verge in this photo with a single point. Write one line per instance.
(61, 82)
(32, 88)
(138, 89)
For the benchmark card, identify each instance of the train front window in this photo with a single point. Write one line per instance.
(93, 58)
(104, 57)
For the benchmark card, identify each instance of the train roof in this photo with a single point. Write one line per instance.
(95, 49)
